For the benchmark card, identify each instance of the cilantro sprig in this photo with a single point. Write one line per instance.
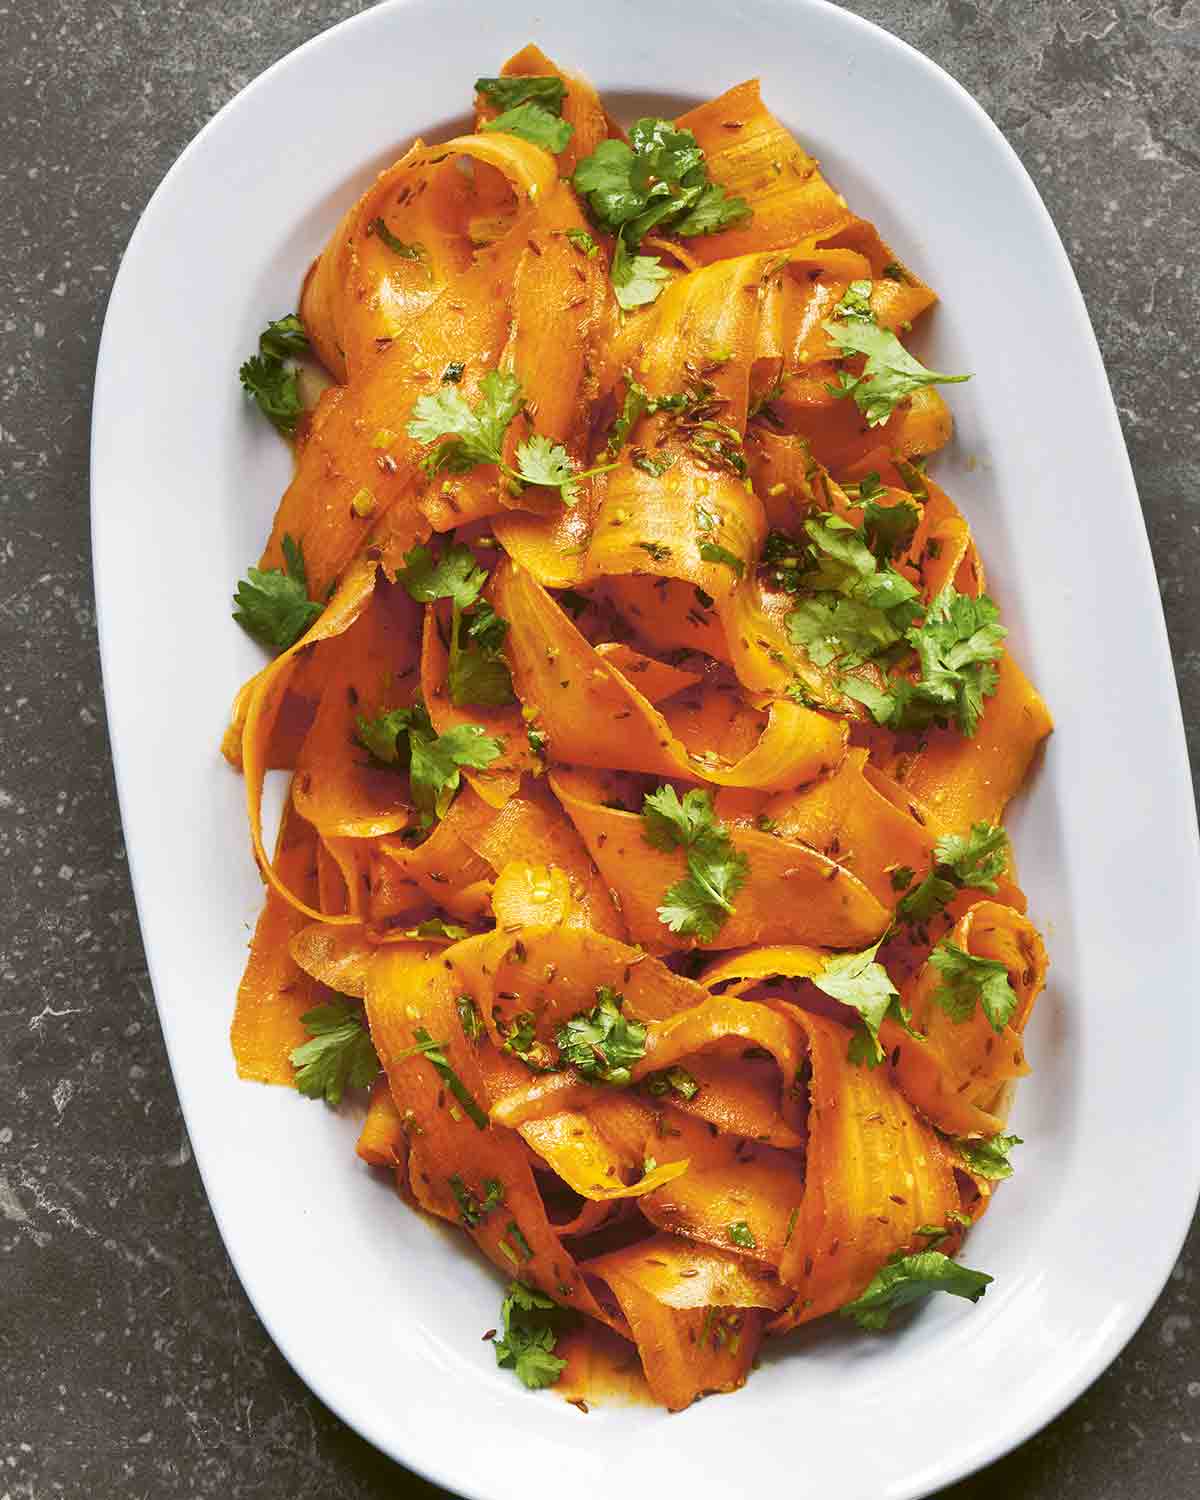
(272, 604)
(659, 180)
(531, 1326)
(404, 738)
(530, 107)
(697, 905)
(477, 671)
(603, 1044)
(860, 981)
(271, 379)
(908, 1278)
(466, 436)
(890, 374)
(974, 860)
(339, 1054)
(968, 981)
(854, 607)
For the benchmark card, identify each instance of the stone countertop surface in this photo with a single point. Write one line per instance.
(131, 1363)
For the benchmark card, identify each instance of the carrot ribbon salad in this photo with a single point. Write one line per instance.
(650, 730)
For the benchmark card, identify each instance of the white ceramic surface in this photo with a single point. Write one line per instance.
(185, 478)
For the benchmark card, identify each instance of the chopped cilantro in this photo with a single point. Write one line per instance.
(675, 1080)
(473, 1208)
(520, 1038)
(379, 229)
(583, 242)
(435, 1055)
(741, 1235)
(988, 1158)
(602, 1044)
(472, 1022)
(713, 552)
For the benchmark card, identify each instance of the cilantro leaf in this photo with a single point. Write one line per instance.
(404, 737)
(924, 901)
(977, 858)
(658, 180)
(466, 435)
(271, 381)
(601, 1044)
(540, 461)
(477, 671)
(272, 604)
(831, 629)
(957, 645)
(989, 1158)
(636, 279)
(888, 528)
(861, 608)
(435, 763)
(534, 123)
(698, 904)
(741, 1235)
(283, 336)
(855, 304)
(339, 1054)
(385, 736)
(907, 1278)
(531, 1325)
(454, 575)
(860, 981)
(966, 980)
(532, 88)
(891, 373)
(275, 388)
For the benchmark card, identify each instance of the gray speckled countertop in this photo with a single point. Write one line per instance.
(131, 1364)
